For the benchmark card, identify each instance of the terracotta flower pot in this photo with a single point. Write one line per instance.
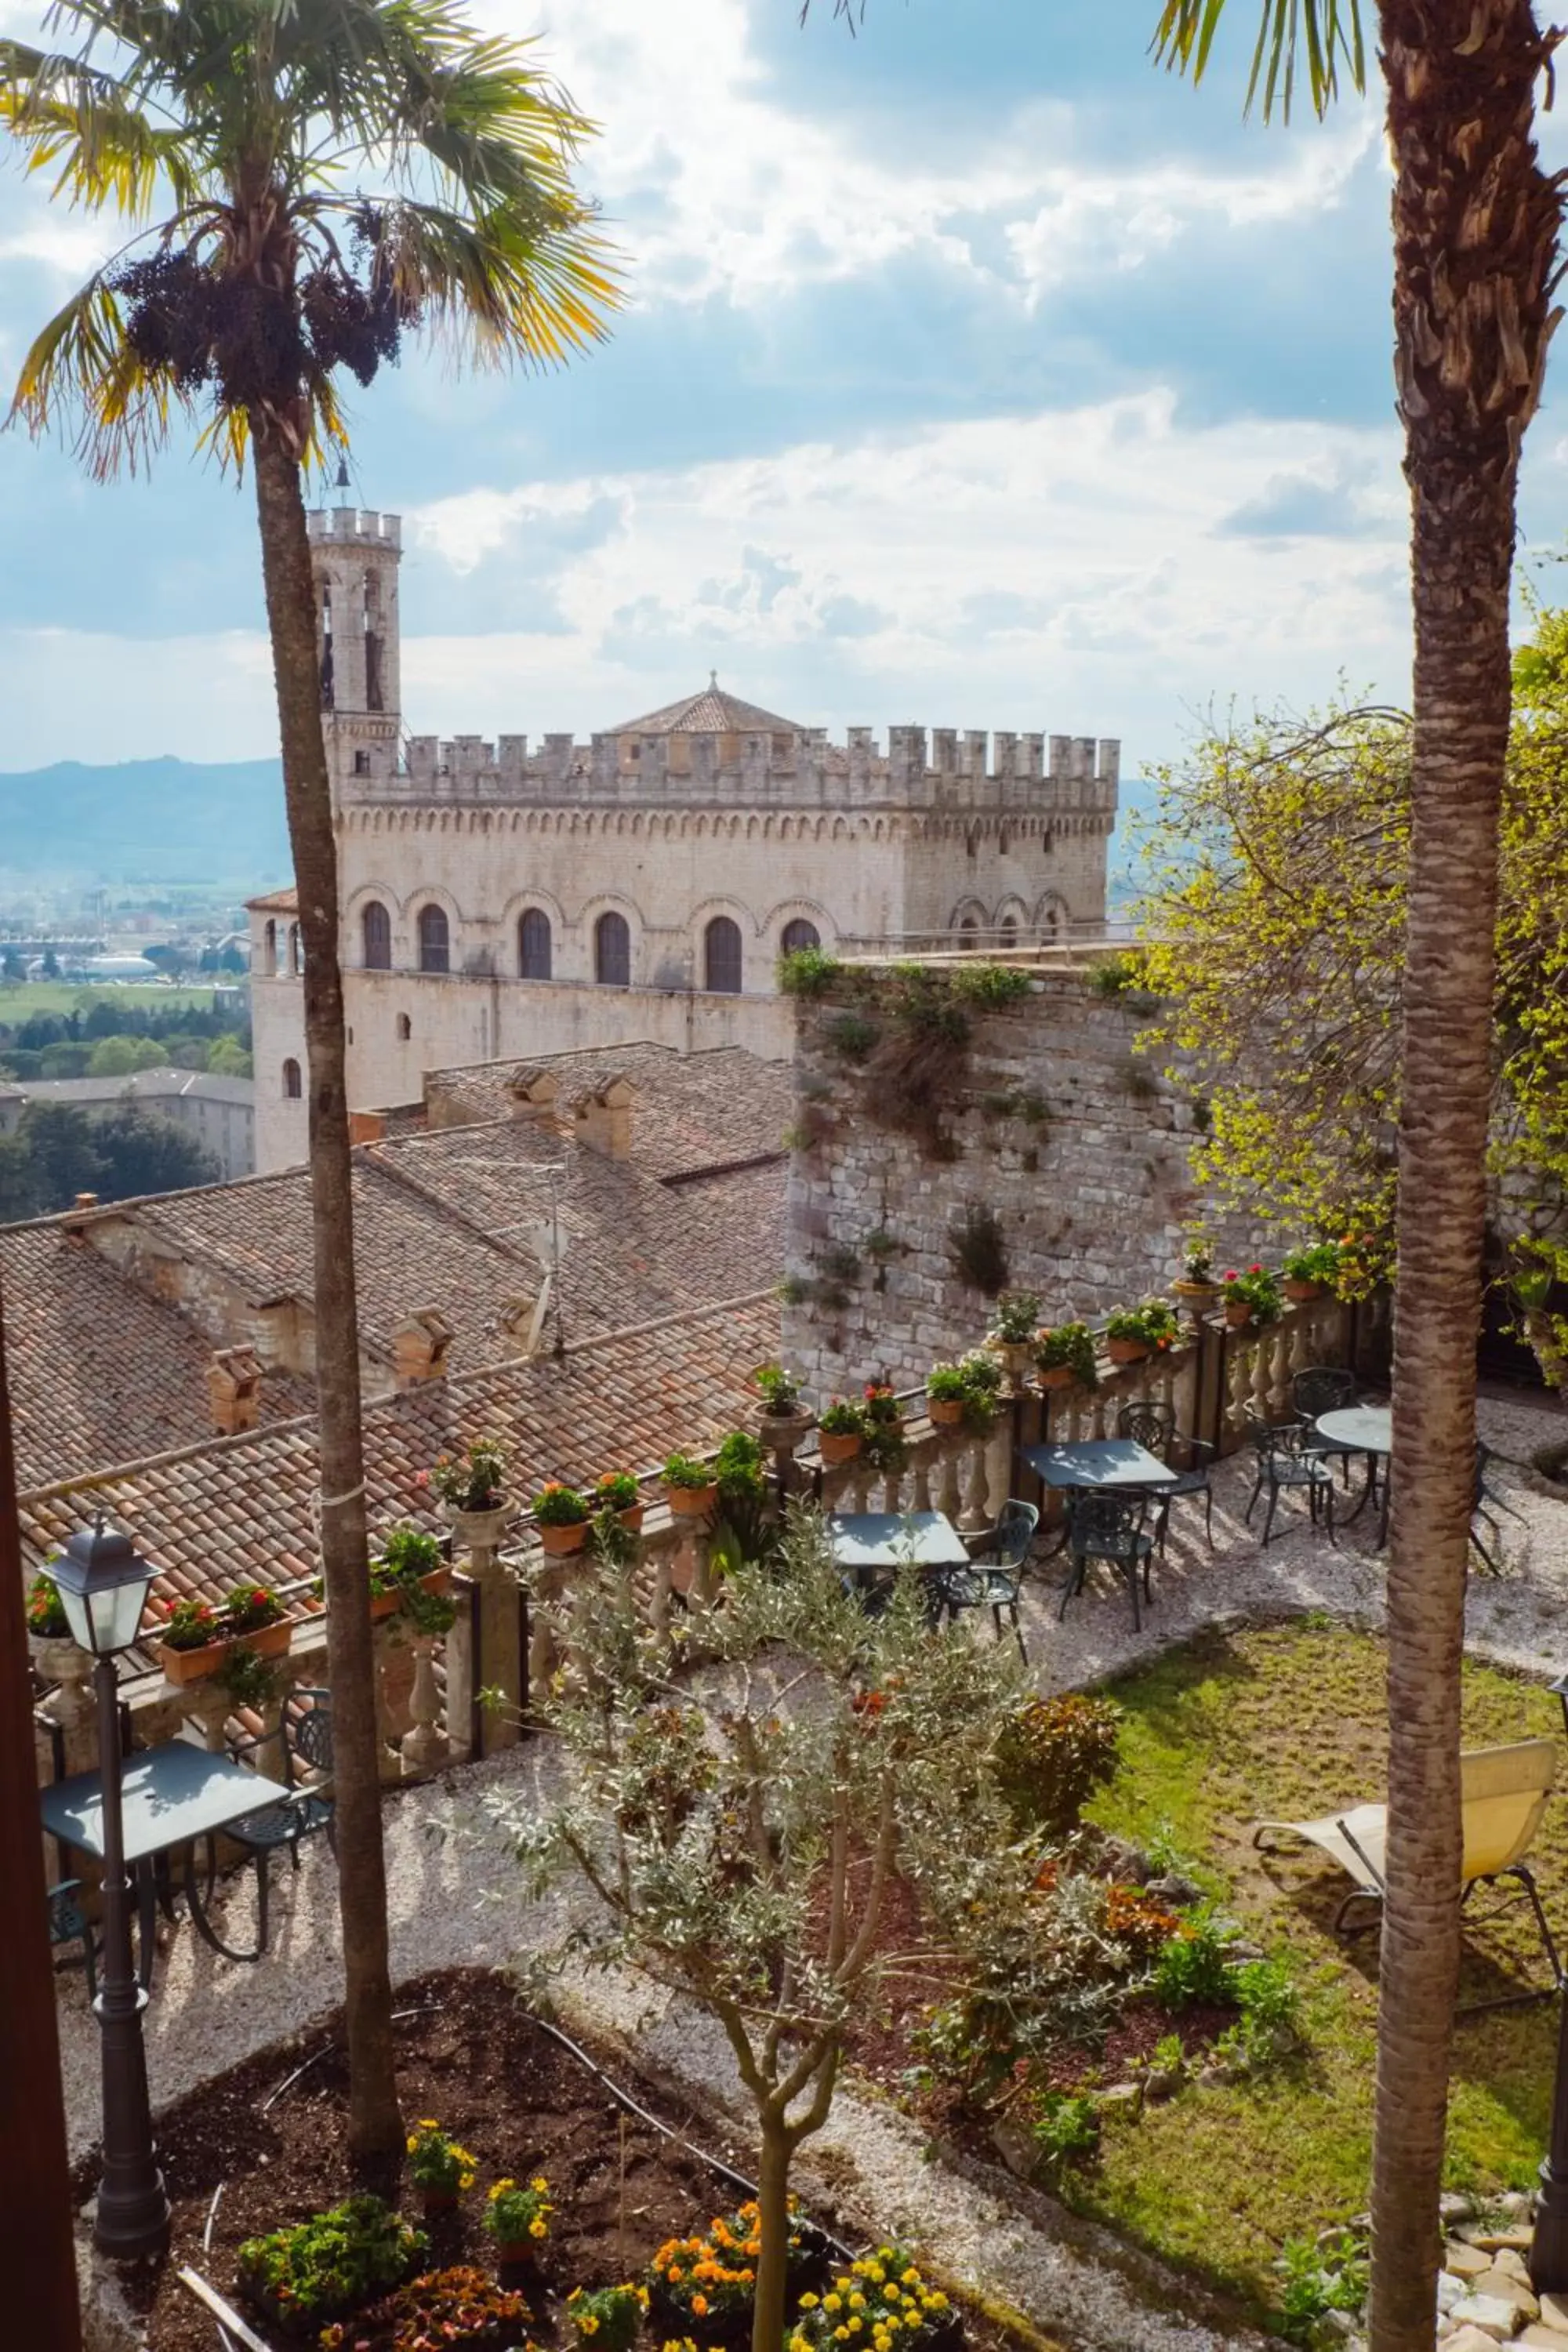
(517, 2254)
(841, 1444)
(438, 2200)
(562, 1540)
(192, 1665)
(943, 1413)
(269, 1641)
(384, 1604)
(1237, 1313)
(631, 1519)
(1127, 1351)
(1300, 1291)
(690, 1502)
(1058, 1376)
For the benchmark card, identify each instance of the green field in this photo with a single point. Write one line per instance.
(20, 1000)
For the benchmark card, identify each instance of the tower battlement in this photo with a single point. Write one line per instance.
(361, 525)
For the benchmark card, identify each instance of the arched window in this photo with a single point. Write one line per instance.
(721, 956)
(292, 1086)
(435, 939)
(376, 925)
(405, 1028)
(296, 959)
(270, 949)
(798, 935)
(533, 945)
(613, 952)
(1009, 932)
(969, 924)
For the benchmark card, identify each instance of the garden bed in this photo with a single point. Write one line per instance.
(470, 2056)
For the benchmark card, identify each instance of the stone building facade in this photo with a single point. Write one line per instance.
(1058, 1146)
(506, 898)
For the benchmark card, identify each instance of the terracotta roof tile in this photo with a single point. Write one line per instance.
(710, 711)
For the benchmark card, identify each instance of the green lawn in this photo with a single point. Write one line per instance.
(21, 999)
(1289, 1722)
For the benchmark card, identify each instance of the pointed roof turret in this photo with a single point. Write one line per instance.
(709, 712)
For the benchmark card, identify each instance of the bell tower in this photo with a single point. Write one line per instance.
(355, 559)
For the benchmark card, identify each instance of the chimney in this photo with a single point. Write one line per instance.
(420, 1346)
(366, 1126)
(534, 1095)
(515, 1322)
(85, 1201)
(604, 1118)
(234, 1389)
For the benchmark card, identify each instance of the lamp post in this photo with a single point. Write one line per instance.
(1549, 2246)
(102, 1580)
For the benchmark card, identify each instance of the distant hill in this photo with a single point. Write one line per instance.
(1138, 798)
(147, 820)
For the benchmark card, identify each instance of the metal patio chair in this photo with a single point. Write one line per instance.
(995, 1579)
(67, 1922)
(1153, 1426)
(1286, 1460)
(305, 1741)
(1485, 1504)
(1105, 1523)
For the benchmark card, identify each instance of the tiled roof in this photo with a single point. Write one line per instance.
(276, 902)
(99, 1371)
(692, 1110)
(711, 712)
(215, 1515)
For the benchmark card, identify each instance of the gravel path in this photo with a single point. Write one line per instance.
(453, 1900)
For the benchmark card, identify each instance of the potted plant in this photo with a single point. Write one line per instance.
(49, 1628)
(690, 1488)
(785, 1417)
(562, 1514)
(317, 2271)
(1250, 1297)
(518, 2219)
(254, 1614)
(412, 1557)
(1307, 1273)
(841, 1430)
(618, 1491)
(607, 2320)
(1196, 1281)
(1064, 1357)
(250, 1681)
(982, 1378)
(1013, 1321)
(947, 1388)
(885, 1447)
(1134, 1332)
(439, 2168)
(192, 1642)
(472, 1485)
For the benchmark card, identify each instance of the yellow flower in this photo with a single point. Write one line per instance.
(856, 2303)
(412, 2144)
(841, 2335)
(539, 2182)
(832, 2302)
(891, 2291)
(588, 2324)
(539, 2226)
(808, 2303)
(911, 2277)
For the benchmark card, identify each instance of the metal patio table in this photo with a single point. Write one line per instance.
(172, 1795)
(867, 1541)
(1363, 1429)
(1097, 1463)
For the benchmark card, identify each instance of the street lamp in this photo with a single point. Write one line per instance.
(1549, 2246)
(103, 1582)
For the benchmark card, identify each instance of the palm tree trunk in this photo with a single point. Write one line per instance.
(1475, 227)
(375, 2128)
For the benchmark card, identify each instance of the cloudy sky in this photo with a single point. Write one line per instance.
(976, 374)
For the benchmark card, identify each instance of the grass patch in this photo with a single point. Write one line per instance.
(20, 1000)
(1289, 1723)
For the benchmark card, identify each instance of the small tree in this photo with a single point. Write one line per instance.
(742, 1829)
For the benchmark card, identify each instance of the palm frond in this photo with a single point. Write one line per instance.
(82, 368)
(500, 284)
(1327, 32)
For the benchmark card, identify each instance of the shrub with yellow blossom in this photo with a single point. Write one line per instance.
(880, 2304)
(700, 2280)
(608, 2319)
(518, 2214)
(437, 2164)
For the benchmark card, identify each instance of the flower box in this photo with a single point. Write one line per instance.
(1059, 1376)
(841, 1444)
(1238, 1313)
(384, 1604)
(631, 1519)
(943, 1413)
(1301, 1291)
(691, 1502)
(266, 1641)
(1127, 1351)
(192, 1665)
(560, 1540)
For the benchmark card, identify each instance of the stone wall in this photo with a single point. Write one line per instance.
(1058, 1127)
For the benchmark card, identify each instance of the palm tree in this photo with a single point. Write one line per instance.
(1475, 227)
(332, 173)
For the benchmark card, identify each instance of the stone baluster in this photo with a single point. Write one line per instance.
(208, 1704)
(1256, 1355)
(392, 1674)
(998, 1460)
(923, 1460)
(73, 1707)
(1239, 1380)
(479, 1533)
(659, 1549)
(704, 1576)
(950, 1501)
(548, 1574)
(974, 1514)
(426, 1746)
(859, 1483)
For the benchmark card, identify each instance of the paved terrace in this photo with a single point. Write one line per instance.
(453, 1900)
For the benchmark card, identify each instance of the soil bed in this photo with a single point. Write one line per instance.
(472, 2058)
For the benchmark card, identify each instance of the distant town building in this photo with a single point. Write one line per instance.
(218, 1113)
(499, 899)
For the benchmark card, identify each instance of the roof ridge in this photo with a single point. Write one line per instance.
(101, 1209)
(373, 1155)
(265, 1432)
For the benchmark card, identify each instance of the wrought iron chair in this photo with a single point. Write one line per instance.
(1485, 1504)
(1319, 1389)
(1153, 1426)
(1285, 1459)
(67, 1922)
(995, 1581)
(305, 1739)
(1105, 1523)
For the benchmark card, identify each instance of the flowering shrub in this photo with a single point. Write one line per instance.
(1053, 1754)
(779, 1389)
(407, 1553)
(191, 1626)
(842, 1419)
(610, 2318)
(1071, 1344)
(617, 1490)
(878, 2303)
(250, 1607)
(47, 1616)
(557, 1506)
(331, 2264)
(1321, 1263)
(512, 2213)
(457, 2310)
(436, 2161)
(1255, 1288)
(709, 2278)
(1135, 1919)
(473, 1480)
(1154, 1324)
(1014, 1317)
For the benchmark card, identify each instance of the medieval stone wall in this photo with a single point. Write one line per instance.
(1057, 1128)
